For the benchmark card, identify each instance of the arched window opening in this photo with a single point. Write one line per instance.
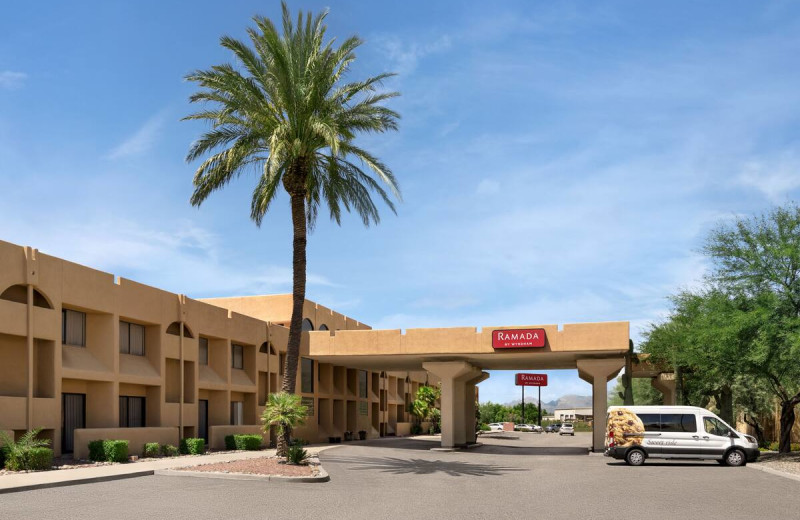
(40, 300)
(175, 330)
(308, 326)
(323, 327)
(19, 294)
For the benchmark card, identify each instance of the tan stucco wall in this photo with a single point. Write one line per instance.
(136, 437)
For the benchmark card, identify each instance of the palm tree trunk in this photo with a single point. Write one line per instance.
(298, 292)
(298, 299)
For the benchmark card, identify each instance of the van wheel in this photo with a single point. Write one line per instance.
(634, 457)
(735, 458)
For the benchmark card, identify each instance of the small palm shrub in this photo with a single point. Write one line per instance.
(151, 450)
(285, 411)
(297, 454)
(29, 453)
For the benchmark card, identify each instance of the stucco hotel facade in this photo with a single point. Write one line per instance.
(85, 355)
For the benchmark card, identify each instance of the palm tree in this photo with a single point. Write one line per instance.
(288, 116)
(285, 411)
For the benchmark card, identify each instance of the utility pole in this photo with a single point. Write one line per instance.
(523, 405)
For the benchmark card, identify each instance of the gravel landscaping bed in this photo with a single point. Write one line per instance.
(260, 466)
(787, 462)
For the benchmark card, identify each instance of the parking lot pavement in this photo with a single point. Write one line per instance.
(511, 475)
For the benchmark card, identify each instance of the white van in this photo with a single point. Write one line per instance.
(675, 432)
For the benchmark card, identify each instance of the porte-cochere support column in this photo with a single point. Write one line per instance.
(454, 376)
(470, 426)
(598, 372)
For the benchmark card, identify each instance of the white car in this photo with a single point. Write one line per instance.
(496, 427)
(567, 429)
(535, 428)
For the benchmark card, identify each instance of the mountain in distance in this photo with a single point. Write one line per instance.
(565, 401)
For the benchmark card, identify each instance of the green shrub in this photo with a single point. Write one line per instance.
(301, 442)
(248, 442)
(484, 428)
(775, 445)
(296, 454)
(416, 429)
(168, 450)
(3, 451)
(230, 442)
(97, 452)
(151, 449)
(116, 450)
(192, 446)
(30, 459)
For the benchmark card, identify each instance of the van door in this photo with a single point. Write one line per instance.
(679, 437)
(715, 439)
(651, 441)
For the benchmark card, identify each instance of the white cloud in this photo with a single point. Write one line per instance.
(142, 140)
(183, 259)
(11, 80)
(774, 177)
(406, 55)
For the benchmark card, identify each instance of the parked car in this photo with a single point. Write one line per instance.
(528, 428)
(566, 429)
(496, 427)
(553, 428)
(537, 428)
(636, 433)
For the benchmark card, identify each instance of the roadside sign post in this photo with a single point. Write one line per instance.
(539, 380)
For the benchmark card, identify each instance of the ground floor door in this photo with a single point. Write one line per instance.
(202, 419)
(73, 415)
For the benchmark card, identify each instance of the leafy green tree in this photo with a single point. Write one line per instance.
(759, 258)
(285, 112)
(424, 406)
(643, 393)
(285, 411)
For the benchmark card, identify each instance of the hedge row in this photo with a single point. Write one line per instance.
(29, 459)
(192, 446)
(243, 442)
(108, 450)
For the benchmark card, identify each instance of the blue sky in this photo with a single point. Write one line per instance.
(559, 161)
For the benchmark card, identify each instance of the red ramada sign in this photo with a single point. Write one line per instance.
(531, 379)
(518, 338)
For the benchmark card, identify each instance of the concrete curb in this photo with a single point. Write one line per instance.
(76, 482)
(321, 477)
(779, 473)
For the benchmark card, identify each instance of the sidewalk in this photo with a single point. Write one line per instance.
(70, 477)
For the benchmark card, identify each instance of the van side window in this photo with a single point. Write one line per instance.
(713, 426)
(678, 422)
(651, 421)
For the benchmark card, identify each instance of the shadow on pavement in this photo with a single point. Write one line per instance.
(499, 449)
(401, 466)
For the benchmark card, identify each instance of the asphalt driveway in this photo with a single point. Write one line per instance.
(512, 475)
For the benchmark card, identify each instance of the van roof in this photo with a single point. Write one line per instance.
(663, 409)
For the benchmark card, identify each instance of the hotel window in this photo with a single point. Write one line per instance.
(306, 375)
(73, 328)
(203, 354)
(237, 356)
(131, 412)
(237, 413)
(131, 338)
(362, 384)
